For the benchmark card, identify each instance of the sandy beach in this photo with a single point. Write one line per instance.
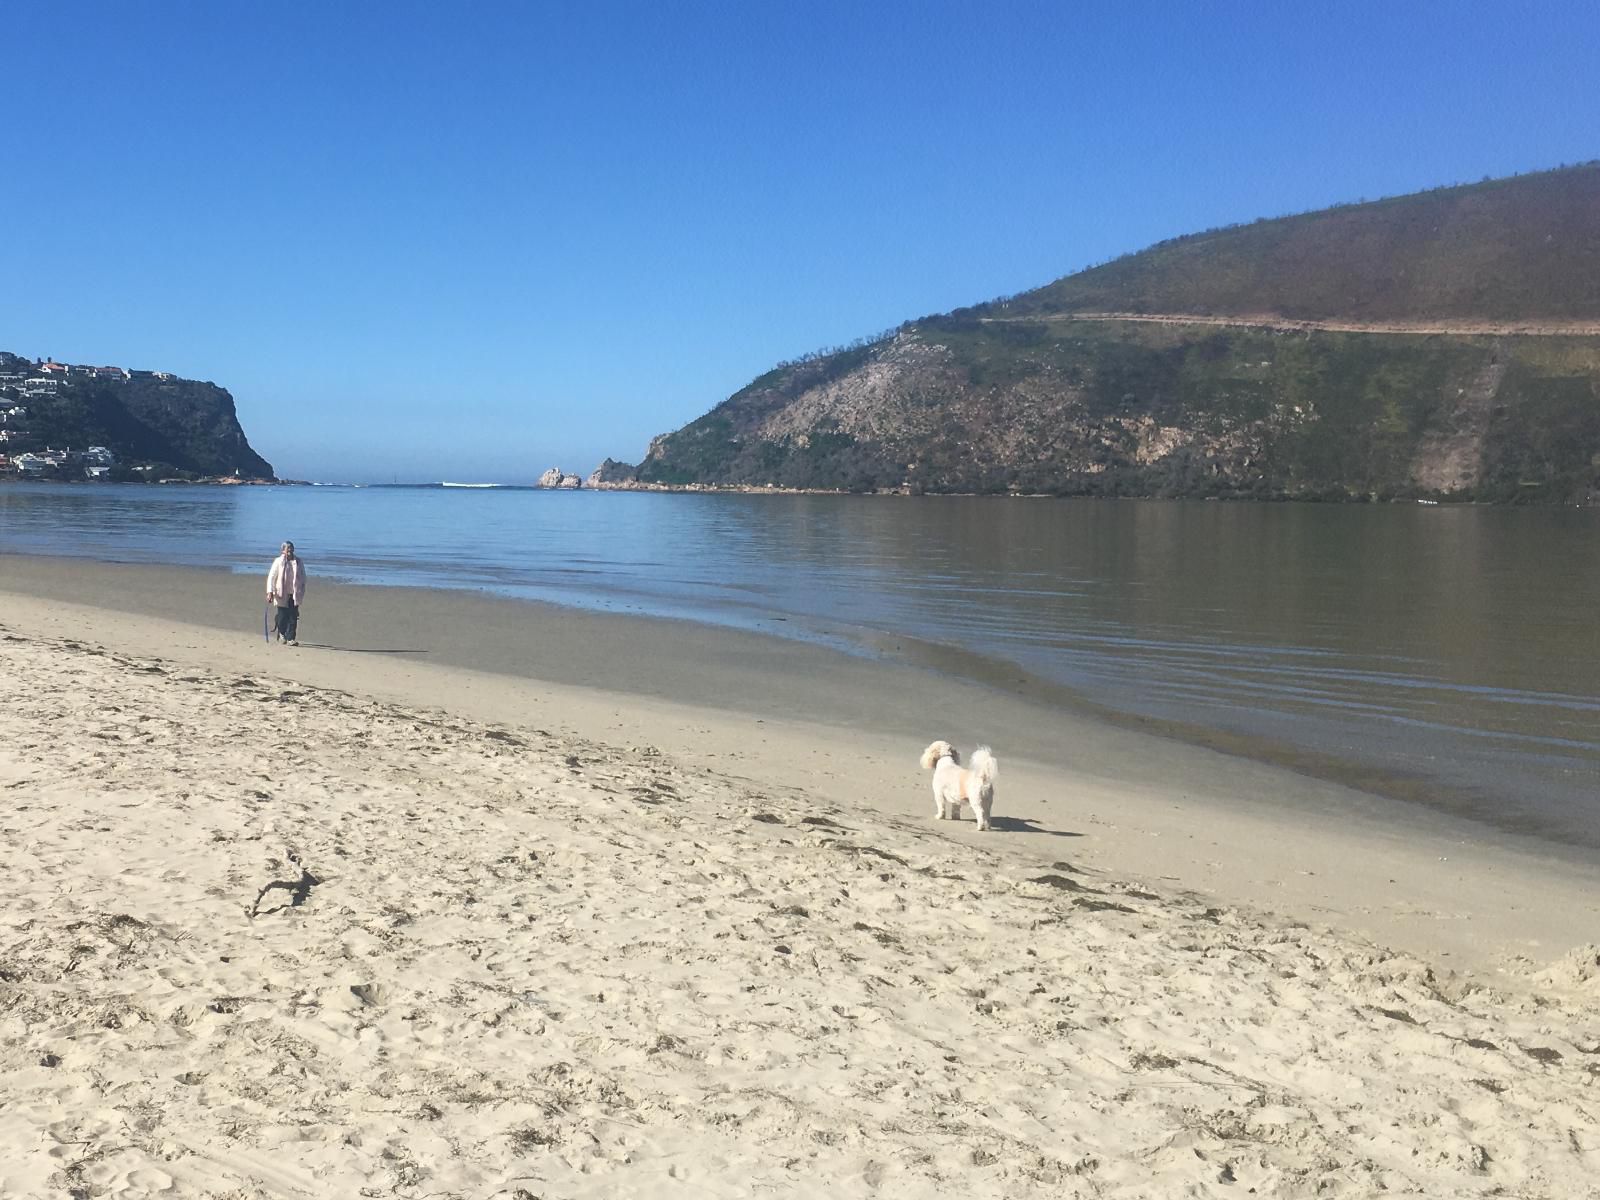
(470, 898)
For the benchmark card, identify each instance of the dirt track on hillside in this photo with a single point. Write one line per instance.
(1288, 325)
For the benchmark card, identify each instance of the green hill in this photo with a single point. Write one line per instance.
(178, 425)
(1520, 249)
(1444, 345)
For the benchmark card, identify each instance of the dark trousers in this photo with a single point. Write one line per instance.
(288, 621)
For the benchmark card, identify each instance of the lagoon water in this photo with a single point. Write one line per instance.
(1442, 656)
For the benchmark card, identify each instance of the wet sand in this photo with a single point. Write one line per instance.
(777, 711)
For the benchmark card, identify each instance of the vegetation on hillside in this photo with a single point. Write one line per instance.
(1251, 414)
(1526, 248)
(1021, 395)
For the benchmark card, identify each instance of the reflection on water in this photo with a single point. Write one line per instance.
(115, 524)
(1443, 654)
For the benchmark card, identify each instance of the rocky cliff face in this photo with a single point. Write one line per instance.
(613, 474)
(147, 418)
(1228, 397)
(1107, 408)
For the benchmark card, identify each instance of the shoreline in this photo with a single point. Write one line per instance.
(1554, 821)
(779, 712)
(1440, 499)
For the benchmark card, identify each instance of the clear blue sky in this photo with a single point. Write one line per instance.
(473, 240)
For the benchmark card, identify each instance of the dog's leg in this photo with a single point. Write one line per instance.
(938, 804)
(981, 807)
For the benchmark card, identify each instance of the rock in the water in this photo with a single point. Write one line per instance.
(556, 478)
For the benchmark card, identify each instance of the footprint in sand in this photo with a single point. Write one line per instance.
(371, 994)
(146, 1181)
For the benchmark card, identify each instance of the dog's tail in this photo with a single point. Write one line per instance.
(984, 766)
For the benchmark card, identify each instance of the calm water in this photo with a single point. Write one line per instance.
(1444, 656)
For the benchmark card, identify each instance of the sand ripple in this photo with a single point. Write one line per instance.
(259, 939)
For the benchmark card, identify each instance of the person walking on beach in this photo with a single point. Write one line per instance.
(286, 587)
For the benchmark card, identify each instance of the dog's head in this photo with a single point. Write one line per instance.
(937, 751)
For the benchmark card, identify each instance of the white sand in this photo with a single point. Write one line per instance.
(500, 958)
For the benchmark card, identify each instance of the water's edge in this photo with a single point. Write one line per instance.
(1443, 659)
(225, 598)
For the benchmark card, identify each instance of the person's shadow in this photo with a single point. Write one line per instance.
(360, 649)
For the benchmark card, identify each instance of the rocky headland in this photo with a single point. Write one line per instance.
(150, 424)
(1444, 345)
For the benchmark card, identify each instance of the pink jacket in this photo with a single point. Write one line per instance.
(286, 581)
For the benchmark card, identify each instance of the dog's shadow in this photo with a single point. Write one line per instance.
(1024, 825)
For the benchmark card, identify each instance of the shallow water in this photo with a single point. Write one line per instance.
(1446, 656)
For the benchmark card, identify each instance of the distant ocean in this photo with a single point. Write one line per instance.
(1447, 656)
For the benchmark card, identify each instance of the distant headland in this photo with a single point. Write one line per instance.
(1439, 346)
(73, 421)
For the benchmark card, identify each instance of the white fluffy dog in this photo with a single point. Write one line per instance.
(955, 785)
